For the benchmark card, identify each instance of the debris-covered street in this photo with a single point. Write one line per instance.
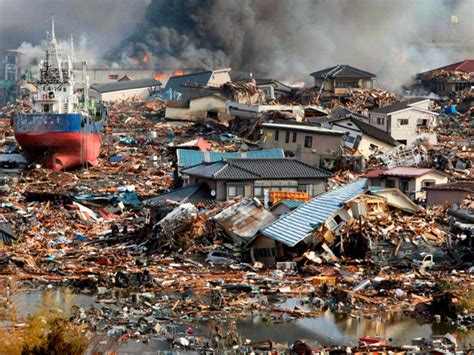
(145, 210)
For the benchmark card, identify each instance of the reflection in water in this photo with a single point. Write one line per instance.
(331, 330)
(327, 329)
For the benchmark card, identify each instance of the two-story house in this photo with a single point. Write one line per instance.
(339, 79)
(407, 121)
(360, 135)
(248, 177)
(316, 146)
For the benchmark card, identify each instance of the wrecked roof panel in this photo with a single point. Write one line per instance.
(244, 219)
(293, 227)
(125, 85)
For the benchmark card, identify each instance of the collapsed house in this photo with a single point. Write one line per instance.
(291, 234)
(339, 223)
(206, 106)
(454, 77)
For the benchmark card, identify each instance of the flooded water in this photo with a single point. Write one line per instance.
(327, 329)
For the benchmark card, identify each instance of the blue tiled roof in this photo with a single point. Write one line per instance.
(293, 227)
(188, 157)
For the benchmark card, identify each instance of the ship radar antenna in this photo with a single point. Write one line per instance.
(73, 56)
(53, 36)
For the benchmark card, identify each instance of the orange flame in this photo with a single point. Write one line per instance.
(178, 73)
(160, 76)
(145, 59)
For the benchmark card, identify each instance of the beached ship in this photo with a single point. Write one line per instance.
(62, 129)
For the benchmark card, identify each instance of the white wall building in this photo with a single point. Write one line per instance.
(407, 121)
(124, 90)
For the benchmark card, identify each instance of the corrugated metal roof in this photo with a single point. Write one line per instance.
(192, 157)
(244, 219)
(293, 227)
(291, 204)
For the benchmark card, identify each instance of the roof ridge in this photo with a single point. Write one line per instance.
(241, 168)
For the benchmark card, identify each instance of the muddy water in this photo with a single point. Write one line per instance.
(327, 329)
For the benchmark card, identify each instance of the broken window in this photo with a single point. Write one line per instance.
(373, 147)
(348, 139)
(426, 183)
(308, 142)
(235, 190)
(113, 77)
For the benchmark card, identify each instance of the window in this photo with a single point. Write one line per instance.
(403, 185)
(373, 147)
(348, 139)
(308, 142)
(258, 191)
(277, 135)
(390, 183)
(426, 183)
(113, 77)
(347, 84)
(379, 120)
(294, 137)
(402, 141)
(422, 122)
(403, 122)
(287, 137)
(235, 190)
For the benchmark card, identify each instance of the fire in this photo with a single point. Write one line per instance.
(160, 76)
(178, 73)
(145, 59)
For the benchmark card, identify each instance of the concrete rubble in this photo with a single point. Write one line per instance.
(149, 266)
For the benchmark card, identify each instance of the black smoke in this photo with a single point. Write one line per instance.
(288, 39)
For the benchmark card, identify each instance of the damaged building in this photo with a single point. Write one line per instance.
(408, 121)
(316, 146)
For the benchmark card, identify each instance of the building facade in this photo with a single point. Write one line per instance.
(315, 146)
(407, 121)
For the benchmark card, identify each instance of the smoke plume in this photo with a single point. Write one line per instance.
(289, 39)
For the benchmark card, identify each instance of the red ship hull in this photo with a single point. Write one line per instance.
(61, 150)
